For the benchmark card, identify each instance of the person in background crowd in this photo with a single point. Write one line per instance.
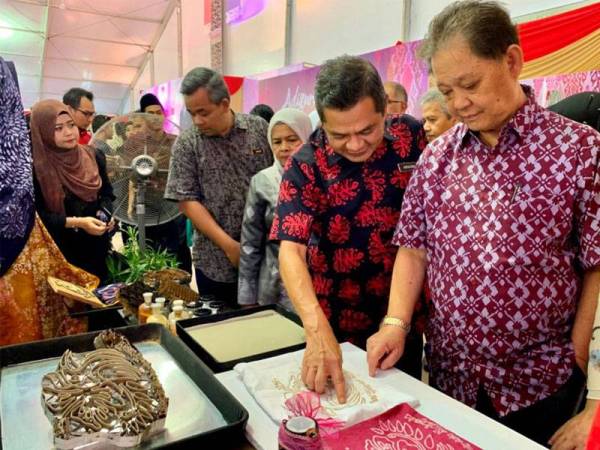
(29, 309)
(171, 235)
(259, 280)
(339, 202)
(397, 99)
(98, 121)
(436, 117)
(264, 111)
(583, 107)
(502, 214)
(81, 107)
(150, 104)
(211, 167)
(73, 194)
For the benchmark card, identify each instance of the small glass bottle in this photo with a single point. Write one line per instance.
(144, 310)
(176, 315)
(161, 301)
(185, 314)
(157, 316)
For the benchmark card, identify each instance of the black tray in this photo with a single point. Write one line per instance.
(233, 412)
(217, 366)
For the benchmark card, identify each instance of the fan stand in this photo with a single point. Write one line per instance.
(144, 166)
(140, 209)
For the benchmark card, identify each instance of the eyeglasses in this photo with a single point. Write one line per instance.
(87, 114)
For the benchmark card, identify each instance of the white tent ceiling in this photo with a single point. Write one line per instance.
(100, 45)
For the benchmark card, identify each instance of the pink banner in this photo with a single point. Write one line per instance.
(296, 90)
(549, 90)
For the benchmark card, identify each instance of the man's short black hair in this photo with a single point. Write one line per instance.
(73, 96)
(264, 111)
(98, 121)
(344, 81)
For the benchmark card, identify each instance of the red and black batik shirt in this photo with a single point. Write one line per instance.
(345, 213)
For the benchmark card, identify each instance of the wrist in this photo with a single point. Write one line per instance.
(72, 222)
(315, 322)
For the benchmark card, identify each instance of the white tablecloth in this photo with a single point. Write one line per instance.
(261, 431)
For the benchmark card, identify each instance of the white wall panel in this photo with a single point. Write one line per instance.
(326, 29)
(256, 45)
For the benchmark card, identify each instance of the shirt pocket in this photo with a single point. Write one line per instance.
(536, 224)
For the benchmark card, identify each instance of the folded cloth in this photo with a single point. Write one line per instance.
(399, 428)
(274, 380)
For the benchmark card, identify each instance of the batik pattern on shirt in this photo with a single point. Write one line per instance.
(216, 171)
(346, 212)
(508, 231)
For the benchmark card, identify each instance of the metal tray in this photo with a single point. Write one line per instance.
(217, 366)
(202, 413)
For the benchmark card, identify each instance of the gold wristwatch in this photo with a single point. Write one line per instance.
(395, 322)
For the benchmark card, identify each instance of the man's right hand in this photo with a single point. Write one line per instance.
(385, 348)
(323, 361)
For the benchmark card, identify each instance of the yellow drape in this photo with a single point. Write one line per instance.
(580, 56)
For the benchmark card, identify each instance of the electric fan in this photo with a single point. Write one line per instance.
(138, 152)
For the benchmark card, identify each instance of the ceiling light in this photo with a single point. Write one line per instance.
(5, 31)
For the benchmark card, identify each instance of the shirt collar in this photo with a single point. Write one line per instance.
(239, 120)
(520, 123)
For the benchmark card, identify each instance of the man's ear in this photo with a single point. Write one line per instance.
(514, 60)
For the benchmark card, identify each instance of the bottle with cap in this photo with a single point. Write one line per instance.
(157, 316)
(299, 433)
(144, 309)
(176, 314)
(185, 314)
(161, 301)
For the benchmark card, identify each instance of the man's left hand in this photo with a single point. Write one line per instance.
(574, 434)
(385, 348)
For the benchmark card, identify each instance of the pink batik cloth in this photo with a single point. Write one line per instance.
(400, 428)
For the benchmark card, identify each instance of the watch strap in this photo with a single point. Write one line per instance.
(395, 322)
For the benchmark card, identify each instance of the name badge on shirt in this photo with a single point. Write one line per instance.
(257, 151)
(407, 166)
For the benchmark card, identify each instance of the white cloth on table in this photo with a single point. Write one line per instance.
(272, 381)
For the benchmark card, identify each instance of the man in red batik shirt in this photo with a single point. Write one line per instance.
(339, 201)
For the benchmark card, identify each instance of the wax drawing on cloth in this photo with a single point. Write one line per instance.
(399, 428)
(409, 433)
(358, 392)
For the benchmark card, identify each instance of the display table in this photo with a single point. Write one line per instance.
(480, 430)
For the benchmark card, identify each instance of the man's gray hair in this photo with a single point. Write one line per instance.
(202, 77)
(435, 96)
(485, 25)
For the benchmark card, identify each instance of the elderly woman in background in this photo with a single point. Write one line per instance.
(29, 309)
(73, 194)
(259, 280)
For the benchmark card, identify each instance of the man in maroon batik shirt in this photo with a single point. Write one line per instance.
(502, 213)
(339, 203)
